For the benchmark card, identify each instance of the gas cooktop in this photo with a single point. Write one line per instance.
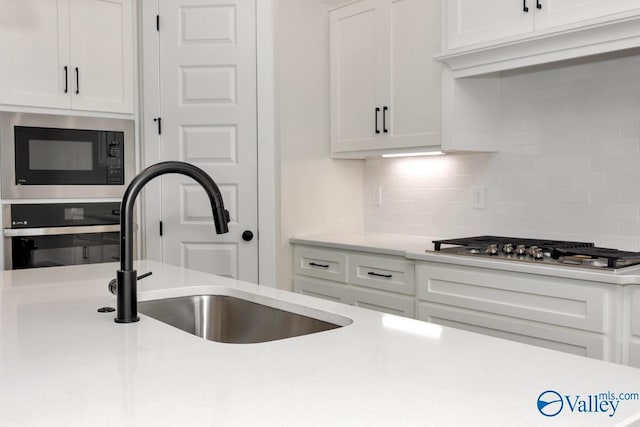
(544, 251)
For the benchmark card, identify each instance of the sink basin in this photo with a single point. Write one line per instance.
(229, 319)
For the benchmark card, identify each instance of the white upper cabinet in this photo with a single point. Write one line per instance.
(356, 86)
(71, 54)
(413, 77)
(554, 13)
(101, 48)
(31, 49)
(471, 21)
(495, 35)
(385, 85)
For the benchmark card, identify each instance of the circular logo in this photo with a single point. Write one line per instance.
(550, 403)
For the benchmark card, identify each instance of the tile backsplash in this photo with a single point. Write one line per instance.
(568, 165)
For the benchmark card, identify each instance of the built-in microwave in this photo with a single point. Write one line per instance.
(48, 156)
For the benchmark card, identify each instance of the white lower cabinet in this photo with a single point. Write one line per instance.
(377, 282)
(588, 318)
(631, 326)
(392, 274)
(539, 334)
(385, 302)
(573, 316)
(321, 263)
(325, 289)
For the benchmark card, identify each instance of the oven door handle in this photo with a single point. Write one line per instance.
(58, 231)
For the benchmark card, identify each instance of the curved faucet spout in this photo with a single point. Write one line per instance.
(127, 310)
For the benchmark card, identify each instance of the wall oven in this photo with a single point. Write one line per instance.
(55, 234)
(47, 156)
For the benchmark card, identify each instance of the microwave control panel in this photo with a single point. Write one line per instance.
(115, 161)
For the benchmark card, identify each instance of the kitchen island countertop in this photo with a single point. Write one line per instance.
(64, 364)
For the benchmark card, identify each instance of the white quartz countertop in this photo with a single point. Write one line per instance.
(421, 248)
(382, 243)
(64, 364)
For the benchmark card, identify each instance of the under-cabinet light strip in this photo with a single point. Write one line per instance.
(424, 153)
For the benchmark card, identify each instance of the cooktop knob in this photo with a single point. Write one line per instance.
(521, 250)
(492, 250)
(507, 248)
(538, 254)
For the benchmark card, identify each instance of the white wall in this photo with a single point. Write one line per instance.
(316, 193)
(568, 166)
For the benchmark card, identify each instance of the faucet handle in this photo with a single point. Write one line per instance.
(113, 284)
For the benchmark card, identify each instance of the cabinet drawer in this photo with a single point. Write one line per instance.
(323, 264)
(563, 302)
(321, 289)
(383, 301)
(542, 335)
(382, 273)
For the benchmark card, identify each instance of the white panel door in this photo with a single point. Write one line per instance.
(101, 44)
(471, 22)
(208, 111)
(356, 83)
(34, 50)
(553, 13)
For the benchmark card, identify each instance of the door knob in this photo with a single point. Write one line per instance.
(247, 235)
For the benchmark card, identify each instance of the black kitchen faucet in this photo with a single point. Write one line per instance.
(127, 299)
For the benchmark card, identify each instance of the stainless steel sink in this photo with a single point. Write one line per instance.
(228, 319)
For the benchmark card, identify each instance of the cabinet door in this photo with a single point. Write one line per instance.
(34, 52)
(471, 22)
(545, 299)
(631, 323)
(332, 291)
(101, 44)
(385, 302)
(554, 13)
(411, 78)
(596, 346)
(355, 81)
